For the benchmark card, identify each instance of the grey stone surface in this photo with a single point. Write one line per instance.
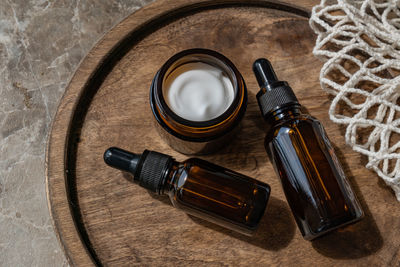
(41, 45)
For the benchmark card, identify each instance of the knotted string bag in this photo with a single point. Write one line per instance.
(359, 41)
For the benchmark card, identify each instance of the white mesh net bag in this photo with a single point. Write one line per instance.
(360, 44)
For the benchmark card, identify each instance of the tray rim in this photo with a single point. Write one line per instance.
(64, 224)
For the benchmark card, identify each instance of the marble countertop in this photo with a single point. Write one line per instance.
(41, 45)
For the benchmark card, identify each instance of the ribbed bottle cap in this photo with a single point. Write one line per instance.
(153, 170)
(274, 94)
(149, 168)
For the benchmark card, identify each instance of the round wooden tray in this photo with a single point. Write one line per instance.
(103, 219)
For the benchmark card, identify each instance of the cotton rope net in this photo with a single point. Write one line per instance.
(359, 41)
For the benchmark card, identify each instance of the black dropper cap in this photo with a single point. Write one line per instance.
(149, 169)
(274, 94)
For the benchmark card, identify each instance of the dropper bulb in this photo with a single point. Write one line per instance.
(121, 159)
(264, 72)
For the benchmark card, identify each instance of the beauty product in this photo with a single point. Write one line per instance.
(198, 99)
(198, 187)
(198, 91)
(313, 180)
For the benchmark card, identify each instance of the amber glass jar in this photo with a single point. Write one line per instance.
(197, 137)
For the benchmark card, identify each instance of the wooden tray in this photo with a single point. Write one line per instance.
(103, 219)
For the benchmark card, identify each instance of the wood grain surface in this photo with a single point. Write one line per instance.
(103, 219)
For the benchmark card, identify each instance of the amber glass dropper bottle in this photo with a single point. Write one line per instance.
(198, 187)
(313, 180)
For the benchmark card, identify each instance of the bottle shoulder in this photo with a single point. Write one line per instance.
(293, 125)
(301, 119)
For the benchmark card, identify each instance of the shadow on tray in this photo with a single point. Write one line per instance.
(354, 241)
(275, 231)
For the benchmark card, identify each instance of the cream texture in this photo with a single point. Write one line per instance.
(198, 91)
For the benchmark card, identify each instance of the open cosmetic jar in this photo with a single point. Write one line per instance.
(198, 98)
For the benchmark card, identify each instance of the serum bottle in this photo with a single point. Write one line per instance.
(313, 180)
(198, 187)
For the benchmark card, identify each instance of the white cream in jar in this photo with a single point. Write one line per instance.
(198, 91)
